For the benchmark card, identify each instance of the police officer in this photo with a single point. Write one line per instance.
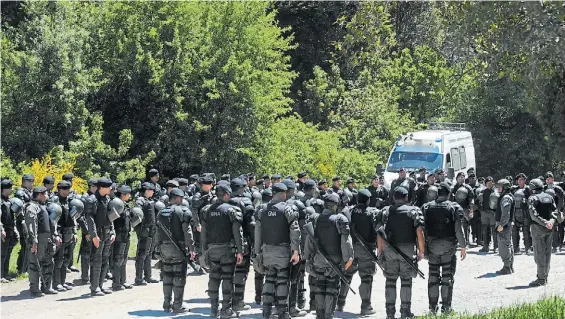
(277, 240)
(192, 185)
(422, 195)
(544, 214)
(322, 187)
(404, 181)
(201, 199)
(487, 207)
(559, 196)
(504, 216)
(49, 183)
(403, 225)
(221, 233)
(443, 222)
(11, 208)
(42, 238)
(363, 220)
(85, 243)
(463, 195)
(67, 229)
(266, 181)
(476, 220)
(72, 194)
(153, 175)
(522, 221)
(297, 271)
(336, 186)
(331, 231)
(421, 179)
(101, 231)
(123, 227)
(174, 243)
(351, 188)
(23, 193)
(248, 225)
(145, 235)
(379, 194)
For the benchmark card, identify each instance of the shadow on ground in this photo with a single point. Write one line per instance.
(488, 275)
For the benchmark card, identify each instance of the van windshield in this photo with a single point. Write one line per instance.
(414, 161)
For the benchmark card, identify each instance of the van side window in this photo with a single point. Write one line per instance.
(455, 159)
(447, 161)
(462, 157)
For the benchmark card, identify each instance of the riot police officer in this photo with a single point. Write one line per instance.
(154, 180)
(487, 205)
(49, 183)
(364, 222)
(85, 243)
(544, 214)
(379, 194)
(403, 225)
(42, 238)
(68, 231)
(201, 199)
(248, 226)
(422, 194)
(101, 231)
(476, 220)
(174, 243)
(23, 193)
(463, 195)
(408, 183)
(11, 209)
(221, 233)
(145, 235)
(443, 222)
(522, 218)
(331, 232)
(504, 216)
(277, 240)
(123, 226)
(350, 187)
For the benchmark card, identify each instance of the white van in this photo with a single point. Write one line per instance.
(444, 145)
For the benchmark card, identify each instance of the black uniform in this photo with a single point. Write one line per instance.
(379, 196)
(176, 220)
(298, 271)
(463, 195)
(522, 220)
(85, 244)
(22, 264)
(67, 228)
(145, 237)
(8, 220)
(123, 228)
(199, 200)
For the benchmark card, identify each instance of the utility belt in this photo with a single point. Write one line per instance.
(104, 229)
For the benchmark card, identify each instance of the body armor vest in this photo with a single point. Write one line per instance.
(219, 224)
(7, 216)
(327, 235)
(123, 224)
(148, 212)
(362, 220)
(498, 213)
(400, 226)
(486, 198)
(274, 225)
(43, 221)
(544, 207)
(102, 212)
(171, 219)
(439, 219)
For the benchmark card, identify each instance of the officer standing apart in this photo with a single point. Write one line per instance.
(174, 244)
(145, 236)
(123, 226)
(487, 207)
(41, 232)
(404, 228)
(544, 214)
(503, 217)
(102, 235)
(522, 220)
(364, 222)
(277, 240)
(443, 222)
(331, 232)
(11, 209)
(221, 233)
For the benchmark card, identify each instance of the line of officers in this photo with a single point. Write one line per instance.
(228, 225)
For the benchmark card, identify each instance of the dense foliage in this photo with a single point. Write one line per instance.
(117, 87)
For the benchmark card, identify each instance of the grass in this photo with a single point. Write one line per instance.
(547, 308)
(14, 257)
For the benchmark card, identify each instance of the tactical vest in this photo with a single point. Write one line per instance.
(486, 198)
(43, 221)
(400, 226)
(439, 220)
(171, 219)
(65, 221)
(219, 224)
(327, 234)
(519, 198)
(241, 203)
(498, 213)
(123, 224)
(274, 225)
(148, 212)
(102, 212)
(7, 217)
(300, 205)
(544, 207)
(363, 223)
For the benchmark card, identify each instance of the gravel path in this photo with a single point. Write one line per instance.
(477, 289)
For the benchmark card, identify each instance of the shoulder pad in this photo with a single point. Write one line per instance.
(235, 214)
(247, 201)
(291, 212)
(257, 195)
(372, 210)
(20, 194)
(89, 199)
(186, 214)
(343, 225)
(205, 209)
(53, 199)
(309, 210)
(299, 204)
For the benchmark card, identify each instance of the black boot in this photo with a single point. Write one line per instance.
(267, 310)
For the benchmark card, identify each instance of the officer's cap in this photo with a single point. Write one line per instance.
(289, 184)
(363, 195)
(260, 181)
(266, 176)
(302, 174)
(250, 176)
(206, 179)
(237, 183)
(422, 170)
(439, 171)
(28, 177)
(332, 198)
(124, 189)
(104, 182)
(481, 179)
(172, 183)
(472, 175)
(445, 186)
(64, 185)
(176, 192)
(402, 169)
(350, 181)
(92, 181)
(376, 176)
(193, 177)
(471, 169)
(146, 186)
(224, 186)
(322, 182)
(401, 190)
(290, 177)
(68, 177)
(309, 183)
(225, 177)
(153, 172)
(460, 174)
(279, 187)
(549, 175)
(336, 178)
(276, 176)
(40, 189)
(48, 180)
(7, 183)
(183, 181)
(489, 179)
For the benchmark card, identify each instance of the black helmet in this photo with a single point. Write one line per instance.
(536, 184)
(504, 183)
